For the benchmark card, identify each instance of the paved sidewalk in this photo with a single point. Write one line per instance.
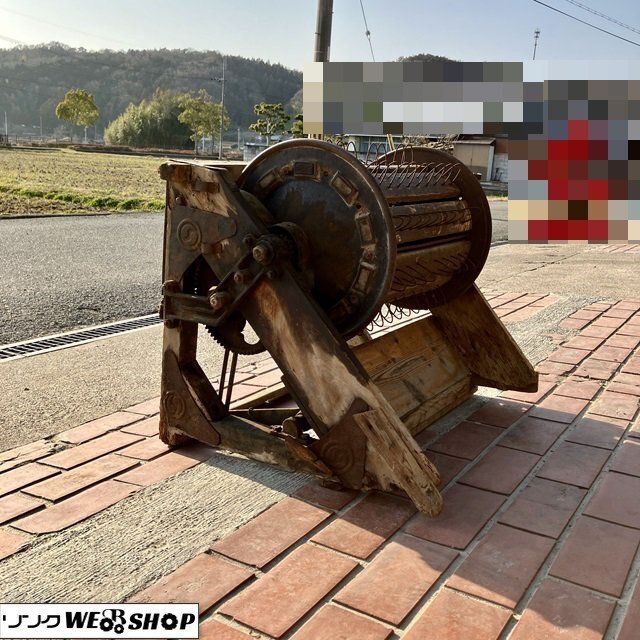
(538, 539)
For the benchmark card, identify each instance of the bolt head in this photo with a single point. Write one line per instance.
(242, 277)
(219, 300)
(263, 253)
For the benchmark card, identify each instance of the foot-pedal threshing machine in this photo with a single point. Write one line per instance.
(303, 247)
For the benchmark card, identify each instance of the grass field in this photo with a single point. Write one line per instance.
(66, 181)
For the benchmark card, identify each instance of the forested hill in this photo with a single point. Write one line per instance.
(33, 79)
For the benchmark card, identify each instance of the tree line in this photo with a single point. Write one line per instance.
(168, 119)
(34, 80)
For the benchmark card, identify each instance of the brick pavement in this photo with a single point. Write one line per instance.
(538, 538)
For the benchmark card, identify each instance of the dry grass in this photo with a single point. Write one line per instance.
(35, 181)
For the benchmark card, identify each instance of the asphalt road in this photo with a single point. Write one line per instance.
(62, 273)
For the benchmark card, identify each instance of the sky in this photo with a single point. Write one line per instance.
(282, 31)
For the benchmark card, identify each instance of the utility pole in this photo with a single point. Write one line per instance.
(536, 35)
(40, 127)
(323, 30)
(222, 110)
(6, 128)
(324, 19)
(238, 138)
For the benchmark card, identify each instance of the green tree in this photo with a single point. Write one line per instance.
(202, 115)
(297, 127)
(273, 121)
(151, 123)
(78, 107)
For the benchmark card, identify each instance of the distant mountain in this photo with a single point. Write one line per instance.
(33, 79)
(426, 57)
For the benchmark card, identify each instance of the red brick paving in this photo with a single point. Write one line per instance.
(397, 579)
(24, 476)
(148, 427)
(466, 440)
(598, 431)
(329, 498)
(616, 500)
(80, 477)
(376, 567)
(26, 453)
(501, 470)
(616, 405)
(145, 449)
(204, 579)
(146, 408)
(574, 464)
(578, 388)
(499, 412)
(91, 450)
(502, 566)
(215, 630)
(596, 369)
(597, 555)
(98, 427)
(466, 510)
(362, 529)
(299, 582)
(627, 458)
(272, 532)
(332, 623)
(166, 465)
(74, 510)
(559, 408)
(550, 367)
(533, 435)
(448, 466)
(629, 630)
(544, 507)
(452, 616)
(15, 505)
(561, 611)
(10, 542)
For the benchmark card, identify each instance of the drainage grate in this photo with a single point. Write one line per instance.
(62, 340)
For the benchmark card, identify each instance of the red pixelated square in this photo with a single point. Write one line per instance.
(578, 189)
(558, 190)
(598, 230)
(558, 150)
(557, 170)
(558, 229)
(578, 229)
(578, 150)
(598, 190)
(538, 230)
(578, 129)
(538, 169)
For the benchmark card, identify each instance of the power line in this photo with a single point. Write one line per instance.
(60, 26)
(603, 15)
(367, 32)
(593, 26)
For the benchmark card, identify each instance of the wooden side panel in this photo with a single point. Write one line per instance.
(420, 374)
(484, 343)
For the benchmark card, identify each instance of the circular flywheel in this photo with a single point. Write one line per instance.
(340, 207)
